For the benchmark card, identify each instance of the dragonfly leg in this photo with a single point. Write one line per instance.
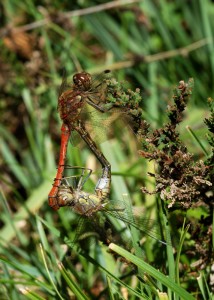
(53, 200)
(102, 188)
(98, 107)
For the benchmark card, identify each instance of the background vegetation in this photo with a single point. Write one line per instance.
(151, 44)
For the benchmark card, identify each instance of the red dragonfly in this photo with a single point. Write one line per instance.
(71, 102)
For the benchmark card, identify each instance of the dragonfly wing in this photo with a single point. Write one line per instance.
(84, 232)
(64, 83)
(149, 227)
(91, 230)
(102, 126)
(97, 94)
(99, 81)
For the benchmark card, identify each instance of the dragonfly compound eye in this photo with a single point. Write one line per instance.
(82, 80)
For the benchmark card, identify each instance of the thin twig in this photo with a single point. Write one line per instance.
(98, 8)
(184, 51)
(76, 13)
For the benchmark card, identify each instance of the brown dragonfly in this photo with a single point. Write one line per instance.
(95, 215)
(104, 96)
(92, 209)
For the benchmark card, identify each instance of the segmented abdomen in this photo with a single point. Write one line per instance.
(69, 106)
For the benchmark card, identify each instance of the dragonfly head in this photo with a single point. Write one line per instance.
(82, 81)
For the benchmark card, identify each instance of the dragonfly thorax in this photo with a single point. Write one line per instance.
(86, 204)
(81, 202)
(82, 81)
(66, 195)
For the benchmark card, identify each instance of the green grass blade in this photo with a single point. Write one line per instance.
(33, 203)
(15, 167)
(30, 294)
(152, 272)
(48, 273)
(115, 278)
(75, 288)
(183, 235)
(197, 140)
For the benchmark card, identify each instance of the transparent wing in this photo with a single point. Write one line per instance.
(101, 126)
(101, 228)
(149, 227)
(86, 233)
(64, 85)
(90, 231)
(98, 81)
(98, 90)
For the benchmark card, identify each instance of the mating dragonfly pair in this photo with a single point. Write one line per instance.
(105, 96)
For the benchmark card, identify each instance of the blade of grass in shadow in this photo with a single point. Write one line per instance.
(14, 165)
(110, 288)
(53, 230)
(45, 242)
(28, 270)
(205, 291)
(33, 203)
(133, 230)
(58, 237)
(115, 278)
(6, 278)
(152, 271)
(75, 288)
(169, 249)
(7, 218)
(48, 273)
(183, 235)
